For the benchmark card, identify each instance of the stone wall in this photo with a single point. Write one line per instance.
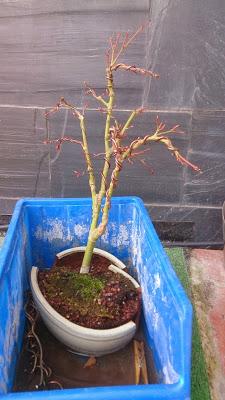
(48, 48)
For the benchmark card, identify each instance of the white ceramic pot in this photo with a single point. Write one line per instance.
(92, 342)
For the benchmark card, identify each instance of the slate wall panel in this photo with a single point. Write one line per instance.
(186, 46)
(53, 53)
(48, 51)
(206, 188)
(24, 167)
(204, 224)
(207, 145)
(12, 8)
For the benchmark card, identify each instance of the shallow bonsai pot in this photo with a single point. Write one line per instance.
(86, 341)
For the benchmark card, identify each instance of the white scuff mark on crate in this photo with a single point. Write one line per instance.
(164, 298)
(123, 237)
(110, 230)
(152, 285)
(117, 236)
(149, 305)
(1, 361)
(155, 319)
(10, 337)
(80, 230)
(3, 387)
(54, 231)
(157, 281)
(170, 375)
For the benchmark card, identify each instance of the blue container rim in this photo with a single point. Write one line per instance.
(167, 391)
(134, 392)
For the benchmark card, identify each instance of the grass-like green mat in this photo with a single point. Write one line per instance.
(199, 379)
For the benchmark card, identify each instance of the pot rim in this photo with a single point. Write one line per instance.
(80, 330)
(103, 253)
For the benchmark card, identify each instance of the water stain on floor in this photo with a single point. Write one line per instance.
(69, 370)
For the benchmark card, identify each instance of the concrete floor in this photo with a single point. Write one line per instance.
(207, 271)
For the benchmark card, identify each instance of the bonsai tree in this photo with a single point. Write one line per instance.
(116, 153)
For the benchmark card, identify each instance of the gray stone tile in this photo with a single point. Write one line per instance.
(206, 224)
(7, 204)
(52, 54)
(54, 51)
(206, 188)
(32, 185)
(186, 47)
(71, 6)
(209, 122)
(24, 164)
(206, 149)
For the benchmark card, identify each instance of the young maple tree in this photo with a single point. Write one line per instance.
(115, 153)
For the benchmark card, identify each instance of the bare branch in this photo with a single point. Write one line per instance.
(92, 92)
(136, 70)
(64, 104)
(130, 119)
(84, 143)
(78, 174)
(175, 152)
(117, 48)
(114, 43)
(147, 166)
(154, 137)
(138, 153)
(160, 126)
(72, 108)
(58, 142)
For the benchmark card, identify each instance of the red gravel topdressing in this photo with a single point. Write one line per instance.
(99, 300)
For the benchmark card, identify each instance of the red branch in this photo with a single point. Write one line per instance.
(118, 43)
(58, 142)
(182, 160)
(160, 126)
(64, 104)
(136, 70)
(79, 173)
(90, 91)
(147, 166)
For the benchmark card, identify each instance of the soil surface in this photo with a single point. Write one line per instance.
(98, 300)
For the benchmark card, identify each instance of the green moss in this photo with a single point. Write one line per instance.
(78, 291)
(83, 286)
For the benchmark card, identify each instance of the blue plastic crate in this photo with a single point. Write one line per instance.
(42, 227)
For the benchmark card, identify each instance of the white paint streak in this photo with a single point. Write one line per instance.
(118, 237)
(123, 237)
(80, 230)
(1, 361)
(54, 231)
(170, 375)
(157, 281)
